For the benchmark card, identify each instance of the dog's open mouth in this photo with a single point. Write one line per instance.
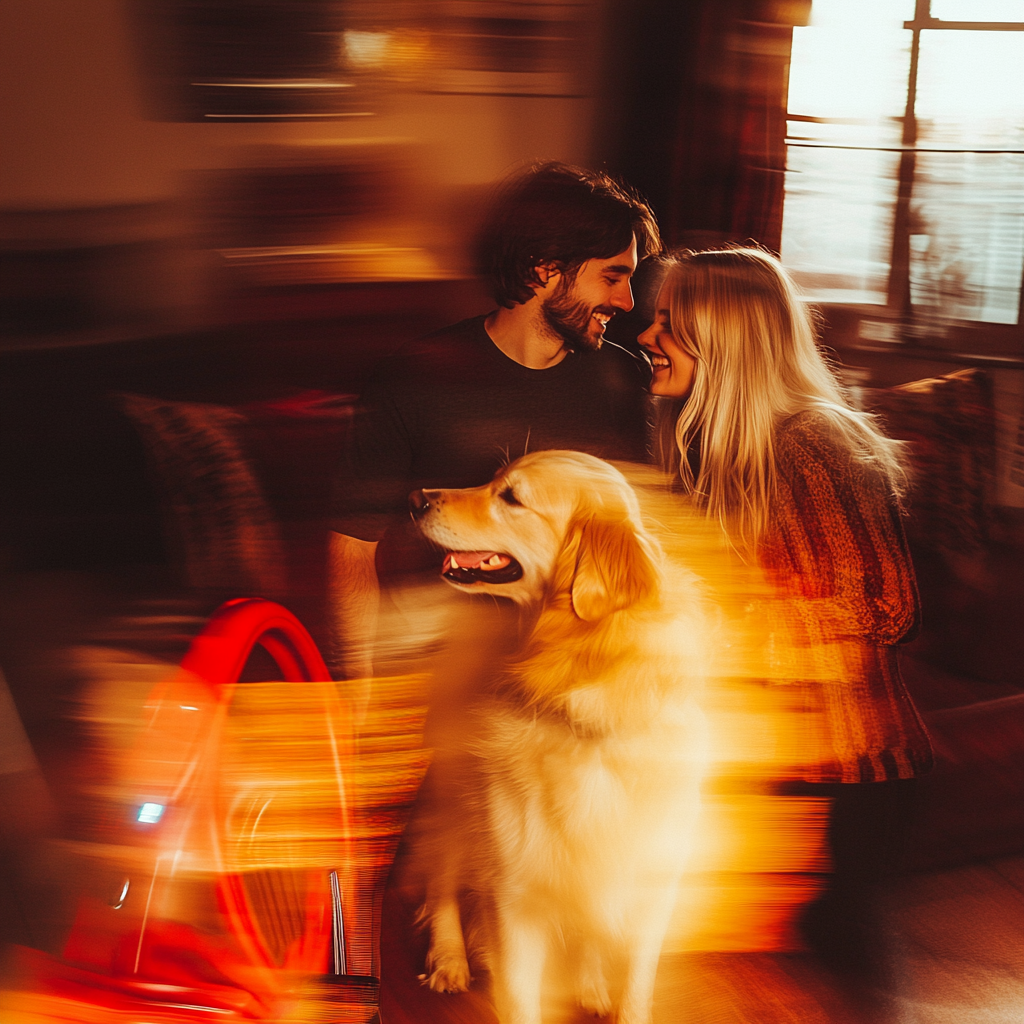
(480, 567)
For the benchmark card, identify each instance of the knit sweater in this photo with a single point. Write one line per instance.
(837, 556)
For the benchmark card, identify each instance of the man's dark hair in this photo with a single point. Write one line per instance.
(563, 215)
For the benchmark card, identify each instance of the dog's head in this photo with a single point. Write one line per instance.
(551, 524)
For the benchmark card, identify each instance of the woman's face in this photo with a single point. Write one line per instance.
(673, 367)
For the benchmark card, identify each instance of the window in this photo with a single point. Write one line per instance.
(905, 159)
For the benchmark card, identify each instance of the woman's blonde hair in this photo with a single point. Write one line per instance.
(738, 313)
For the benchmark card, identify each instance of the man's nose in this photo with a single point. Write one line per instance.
(622, 297)
(420, 502)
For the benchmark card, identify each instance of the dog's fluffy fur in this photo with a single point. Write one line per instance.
(569, 810)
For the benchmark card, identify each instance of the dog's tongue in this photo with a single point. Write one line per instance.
(486, 560)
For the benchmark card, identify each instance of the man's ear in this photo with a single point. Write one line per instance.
(545, 276)
(613, 568)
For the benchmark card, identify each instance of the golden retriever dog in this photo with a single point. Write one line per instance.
(573, 808)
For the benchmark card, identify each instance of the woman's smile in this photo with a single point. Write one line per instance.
(673, 367)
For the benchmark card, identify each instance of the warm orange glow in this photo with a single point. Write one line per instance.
(760, 856)
(228, 830)
(228, 805)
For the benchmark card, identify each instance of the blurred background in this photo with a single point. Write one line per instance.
(216, 215)
(222, 199)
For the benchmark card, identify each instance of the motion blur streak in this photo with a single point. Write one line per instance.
(759, 856)
(216, 215)
(223, 904)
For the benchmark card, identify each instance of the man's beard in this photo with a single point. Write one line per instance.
(571, 319)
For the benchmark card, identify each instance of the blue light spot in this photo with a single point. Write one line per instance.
(151, 813)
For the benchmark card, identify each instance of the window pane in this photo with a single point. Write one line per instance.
(970, 89)
(967, 248)
(838, 215)
(967, 240)
(852, 60)
(978, 10)
(850, 66)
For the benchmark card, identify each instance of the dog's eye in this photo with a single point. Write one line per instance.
(508, 496)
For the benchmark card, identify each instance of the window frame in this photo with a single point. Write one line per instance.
(910, 323)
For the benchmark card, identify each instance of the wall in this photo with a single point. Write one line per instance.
(76, 135)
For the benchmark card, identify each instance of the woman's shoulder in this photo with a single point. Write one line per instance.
(811, 431)
(813, 442)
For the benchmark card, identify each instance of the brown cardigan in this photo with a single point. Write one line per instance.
(837, 556)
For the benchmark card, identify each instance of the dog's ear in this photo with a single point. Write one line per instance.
(614, 568)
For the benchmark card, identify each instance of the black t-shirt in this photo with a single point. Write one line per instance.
(450, 409)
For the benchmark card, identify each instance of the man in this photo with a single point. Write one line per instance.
(560, 247)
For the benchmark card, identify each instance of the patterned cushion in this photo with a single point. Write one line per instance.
(949, 423)
(246, 488)
(228, 536)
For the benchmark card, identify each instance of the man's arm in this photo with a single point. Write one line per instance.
(378, 456)
(353, 608)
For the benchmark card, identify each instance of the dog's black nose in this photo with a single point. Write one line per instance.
(419, 504)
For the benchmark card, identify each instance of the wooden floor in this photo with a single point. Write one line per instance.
(959, 936)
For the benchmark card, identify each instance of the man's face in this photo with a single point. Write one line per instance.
(578, 310)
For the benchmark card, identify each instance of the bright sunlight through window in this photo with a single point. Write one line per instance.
(881, 96)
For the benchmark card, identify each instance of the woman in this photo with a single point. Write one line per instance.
(766, 444)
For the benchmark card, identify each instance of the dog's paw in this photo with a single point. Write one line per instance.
(447, 974)
(592, 995)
